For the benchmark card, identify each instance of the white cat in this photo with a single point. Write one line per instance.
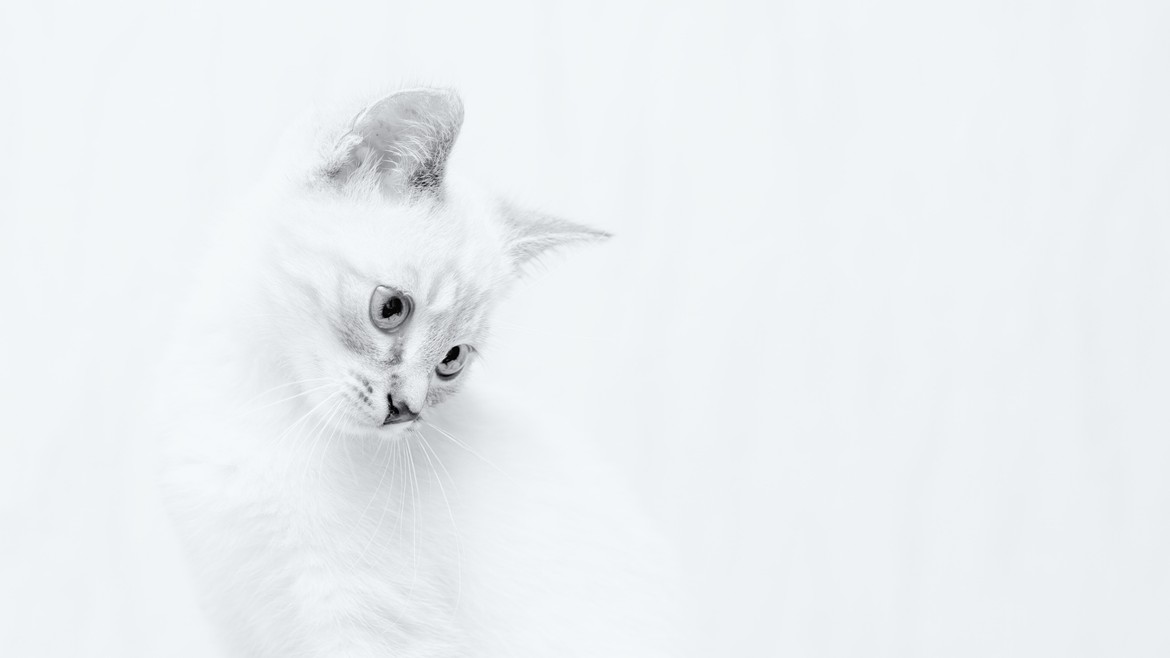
(338, 491)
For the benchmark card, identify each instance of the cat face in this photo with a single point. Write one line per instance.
(387, 274)
(391, 305)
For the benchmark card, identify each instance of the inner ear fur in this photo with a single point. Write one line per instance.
(400, 143)
(529, 234)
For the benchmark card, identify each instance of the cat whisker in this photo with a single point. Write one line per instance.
(394, 457)
(468, 448)
(291, 397)
(286, 385)
(336, 421)
(377, 487)
(416, 493)
(319, 429)
(450, 513)
(415, 502)
(298, 422)
(400, 464)
(305, 415)
(346, 445)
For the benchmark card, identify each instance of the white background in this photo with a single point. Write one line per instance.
(882, 340)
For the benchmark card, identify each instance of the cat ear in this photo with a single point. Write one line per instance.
(528, 234)
(400, 143)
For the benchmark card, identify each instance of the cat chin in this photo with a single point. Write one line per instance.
(387, 433)
(396, 432)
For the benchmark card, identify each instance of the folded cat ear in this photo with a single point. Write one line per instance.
(530, 234)
(399, 143)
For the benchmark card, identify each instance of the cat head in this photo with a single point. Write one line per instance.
(389, 271)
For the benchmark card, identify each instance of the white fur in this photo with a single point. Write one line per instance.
(485, 530)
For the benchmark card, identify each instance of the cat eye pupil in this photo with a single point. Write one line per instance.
(392, 307)
(452, 354)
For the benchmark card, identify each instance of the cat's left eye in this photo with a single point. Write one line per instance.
(389, 308)
(453, 362)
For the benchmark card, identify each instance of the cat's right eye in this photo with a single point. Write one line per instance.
(453, 362)
(389, 308)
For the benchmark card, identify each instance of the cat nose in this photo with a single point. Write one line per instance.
(399, 412)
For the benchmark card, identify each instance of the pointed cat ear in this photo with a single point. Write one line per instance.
(400, 143)
(530, 234)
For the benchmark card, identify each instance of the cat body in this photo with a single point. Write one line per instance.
(344, 481)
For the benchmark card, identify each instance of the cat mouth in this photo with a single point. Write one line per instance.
(398, 419)
(394, 431)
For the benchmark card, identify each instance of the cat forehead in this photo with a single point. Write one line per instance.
(442, 293)
(385, 239)
(439, 279)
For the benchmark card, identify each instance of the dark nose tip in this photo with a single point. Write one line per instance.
(399, 412)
